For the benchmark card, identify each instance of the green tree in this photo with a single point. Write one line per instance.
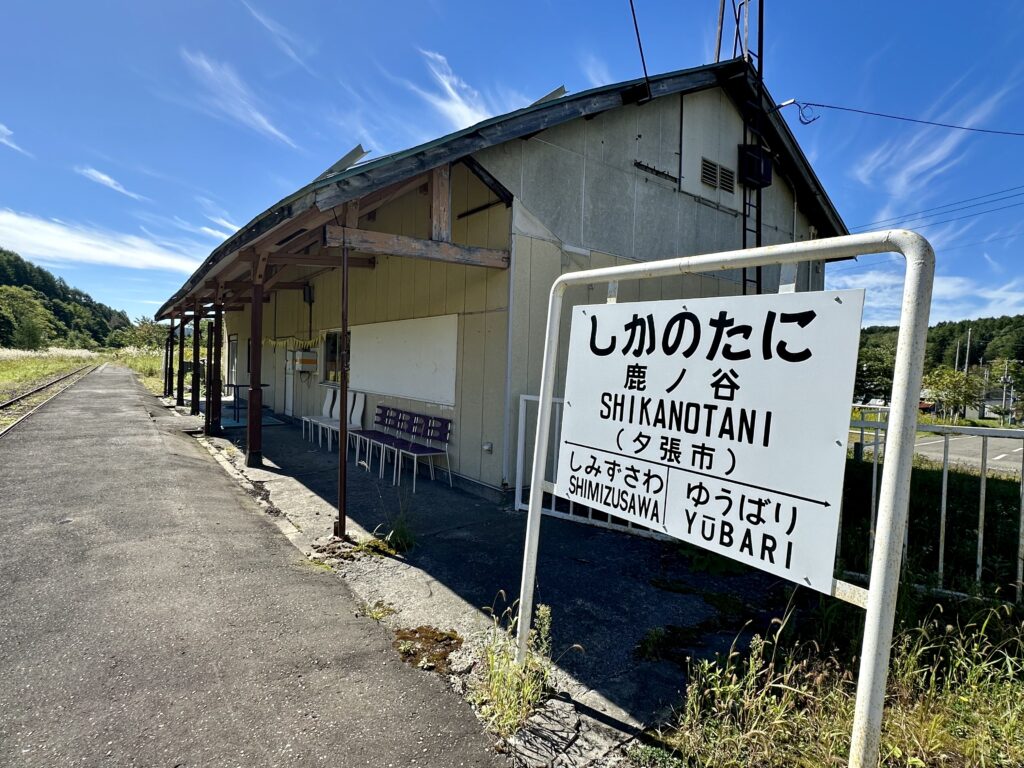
(144, 332)
(875, 365)
(34, 324)
(953, 390)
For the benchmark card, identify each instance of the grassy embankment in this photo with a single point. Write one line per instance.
(147, 363)
(21, 370)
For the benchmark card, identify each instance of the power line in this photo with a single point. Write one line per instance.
(969, 215)
(984, 242)
(902, 220)
(807, 116)
(640, 45)
(937, 207)
(881, 258)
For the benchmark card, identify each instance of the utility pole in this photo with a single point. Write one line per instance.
(967, 353)
(1002, 409)
(956, 365)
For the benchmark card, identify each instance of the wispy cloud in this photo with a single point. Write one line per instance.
(227, 96)
(908, 166)
(217, 215)
(7, 141)
(595, 70)
(160, 222)
(457, 101)
(994, 265)
(59, 242)
(286, 40)
(954, 297)
(364, 120)
(104, 180)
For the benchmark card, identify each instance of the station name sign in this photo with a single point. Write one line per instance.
(722, 422)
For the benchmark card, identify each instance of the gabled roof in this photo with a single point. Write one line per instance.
(735, 76)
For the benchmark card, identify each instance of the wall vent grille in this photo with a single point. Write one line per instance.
(709, 172)
(726, 179)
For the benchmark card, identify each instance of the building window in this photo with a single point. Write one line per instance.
(332, 357)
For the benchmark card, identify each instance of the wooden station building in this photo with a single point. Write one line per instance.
(452, 246)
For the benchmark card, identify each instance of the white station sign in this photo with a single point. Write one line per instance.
(722, 422)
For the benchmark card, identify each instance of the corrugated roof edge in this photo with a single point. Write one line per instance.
(364, 178)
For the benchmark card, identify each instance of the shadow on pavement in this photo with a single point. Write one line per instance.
(607, 590)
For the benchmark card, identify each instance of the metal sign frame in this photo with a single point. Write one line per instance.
(879, 600)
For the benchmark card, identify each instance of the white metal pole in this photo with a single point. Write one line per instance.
(540, 456)
(895, 495)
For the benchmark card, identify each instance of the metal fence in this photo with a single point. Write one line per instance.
(869, 432)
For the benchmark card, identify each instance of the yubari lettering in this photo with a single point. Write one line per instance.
(754, 544)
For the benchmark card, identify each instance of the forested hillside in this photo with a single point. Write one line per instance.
(39, 310)
(992, 339)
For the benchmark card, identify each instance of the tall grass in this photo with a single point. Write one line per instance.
(955, 698)
(145, 361)
(21, 369)
(506, 692)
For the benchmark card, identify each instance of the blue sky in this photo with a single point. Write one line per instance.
(135, 136)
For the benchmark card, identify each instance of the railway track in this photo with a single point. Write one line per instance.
(25, 399)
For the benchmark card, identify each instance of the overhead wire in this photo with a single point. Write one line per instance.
(968, 216)
(909, 218)
(640, 45)
(903, 216)
(807, 116)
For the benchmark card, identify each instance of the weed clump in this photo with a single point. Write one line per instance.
(955, 697)
(377, 611)
(507, 692)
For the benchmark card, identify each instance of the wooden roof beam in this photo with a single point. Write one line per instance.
(322, 258)
(384, 244)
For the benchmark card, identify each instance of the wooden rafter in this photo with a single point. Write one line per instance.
(301, 243)
(385, 244)
(371, 202)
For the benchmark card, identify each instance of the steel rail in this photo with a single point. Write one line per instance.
(40, 388)
(24, 416)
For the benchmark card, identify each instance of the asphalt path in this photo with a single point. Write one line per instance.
(1004, 454)
(151, 614)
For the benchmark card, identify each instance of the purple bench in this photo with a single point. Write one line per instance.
(403, 433)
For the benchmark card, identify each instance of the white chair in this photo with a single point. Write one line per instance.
(355, 420)
(327, 417)
(309, 421)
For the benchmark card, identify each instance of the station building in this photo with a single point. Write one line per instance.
(452, 248)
